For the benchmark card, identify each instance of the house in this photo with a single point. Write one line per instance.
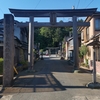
(89, 37)
(20, 42)
(69, 46)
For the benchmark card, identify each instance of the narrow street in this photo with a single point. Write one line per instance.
(53, 79)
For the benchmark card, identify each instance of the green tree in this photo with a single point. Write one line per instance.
(50, 36)
(80, 20)
(83, 51)
(36, 35)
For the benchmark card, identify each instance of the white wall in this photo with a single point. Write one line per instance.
(91, 28)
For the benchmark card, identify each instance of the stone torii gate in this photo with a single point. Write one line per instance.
(53, 14)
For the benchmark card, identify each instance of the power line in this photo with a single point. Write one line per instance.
(37, 3)
(89, 3)
(78, 3)
(1, 10)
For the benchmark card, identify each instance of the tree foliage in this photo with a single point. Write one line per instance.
(80, 20)
(83, 51)
(50, 36)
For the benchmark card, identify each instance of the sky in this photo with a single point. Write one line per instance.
(45, 4)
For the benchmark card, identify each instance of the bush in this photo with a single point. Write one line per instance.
(83, 51)
(82, 64)
(1, 65)
(24, 64)
(41, 51)
(86, 63)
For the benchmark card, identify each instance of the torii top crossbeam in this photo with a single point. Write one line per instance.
(57, 12)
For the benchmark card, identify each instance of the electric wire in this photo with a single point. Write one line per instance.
(1, 10)
(78, 3)
(89, 3)
(38, 3)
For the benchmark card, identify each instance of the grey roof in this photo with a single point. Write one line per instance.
(70, 38)
(15, 21)
(58, 12)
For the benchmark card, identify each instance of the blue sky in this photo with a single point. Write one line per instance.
(46, 4)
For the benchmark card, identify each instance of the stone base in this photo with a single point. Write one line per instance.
(62, 58)
(76, 71)
(93, 85)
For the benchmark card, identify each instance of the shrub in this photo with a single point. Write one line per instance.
(83, 51)
(41, 51)
(24, 64)
(86, 63)
(82, 64)
(1, 65)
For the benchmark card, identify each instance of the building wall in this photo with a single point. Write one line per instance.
(98, 67)
(69, 47)
(91, 28)
(66, 45)
(20, 53)
(89, 56)
(23, 36)
(91, 33)
(17, 32)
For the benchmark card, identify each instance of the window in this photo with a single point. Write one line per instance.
(82, 36)
(87, 33)
(97, 24)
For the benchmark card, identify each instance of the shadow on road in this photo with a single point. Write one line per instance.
(37, 83)
(1, 96)
(43, 80)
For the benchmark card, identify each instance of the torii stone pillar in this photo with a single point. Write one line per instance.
(8, 50)
(75, 43)
(31, 43)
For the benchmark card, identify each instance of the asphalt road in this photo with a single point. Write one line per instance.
(53, 79)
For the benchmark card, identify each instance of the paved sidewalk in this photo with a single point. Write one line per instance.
(53, 80)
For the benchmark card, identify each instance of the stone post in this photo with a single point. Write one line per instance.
(75, 43)
(31, 43)
(53, 18)
(8, 50)
(94, 66)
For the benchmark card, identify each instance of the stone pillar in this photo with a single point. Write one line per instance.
(94, 66)
(75, 43)
(31, 43)
(8, 50)
(53, 18)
